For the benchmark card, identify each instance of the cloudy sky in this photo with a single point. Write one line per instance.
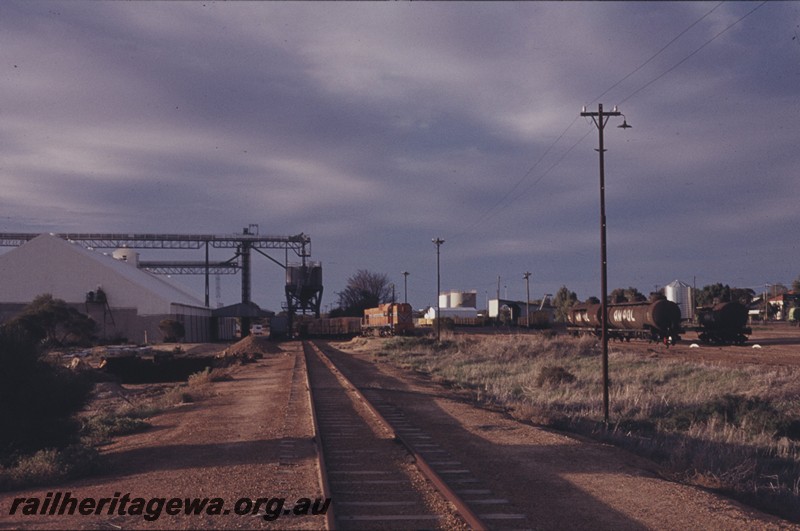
(375, 127)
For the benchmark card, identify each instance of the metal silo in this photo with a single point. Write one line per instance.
(681, 294)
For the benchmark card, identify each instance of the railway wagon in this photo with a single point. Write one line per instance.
(723, 324)
(331, 327)
(391, 319)
(658, 321)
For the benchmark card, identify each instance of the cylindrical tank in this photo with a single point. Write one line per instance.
(456, 299)
(587, 315)
(127, 255)
(664, 315)
(661, 315)
(681, 294)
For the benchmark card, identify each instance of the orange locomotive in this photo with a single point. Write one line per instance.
(392, 319)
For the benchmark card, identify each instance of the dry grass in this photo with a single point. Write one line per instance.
(732, 428)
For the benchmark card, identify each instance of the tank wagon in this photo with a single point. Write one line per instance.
(723, 324)
(658, 321)
(391, 319)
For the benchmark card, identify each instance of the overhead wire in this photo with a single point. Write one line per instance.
(692, 54)
(678, 36)
(508, 199)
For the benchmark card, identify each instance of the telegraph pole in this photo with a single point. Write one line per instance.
(438, 243)
(527, 277)
(600, 120)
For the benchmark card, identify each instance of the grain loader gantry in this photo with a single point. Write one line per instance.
(243, 244)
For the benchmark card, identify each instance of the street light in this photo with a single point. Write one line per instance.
(438, 243)
(600, 120)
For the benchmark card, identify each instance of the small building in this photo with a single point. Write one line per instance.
(126, 302)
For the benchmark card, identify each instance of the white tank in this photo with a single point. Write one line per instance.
(127, 255)
(456, 299)
(681, 294)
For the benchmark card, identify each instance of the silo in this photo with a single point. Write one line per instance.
(456, 299)
(681, 294)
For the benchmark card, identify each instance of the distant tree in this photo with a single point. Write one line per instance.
(716, 293)
(364, 290)
(743, 295)
(592, 300)
(796, 285)
(54, 323)
(562, 302)
(713, 293)
(626, 295)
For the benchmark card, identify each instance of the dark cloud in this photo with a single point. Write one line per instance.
(374, 127)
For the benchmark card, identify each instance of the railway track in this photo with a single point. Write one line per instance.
(438, 452)
(373, 482)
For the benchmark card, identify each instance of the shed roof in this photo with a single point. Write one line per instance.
(67, 270)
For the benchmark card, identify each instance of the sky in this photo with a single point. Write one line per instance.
(377, 127)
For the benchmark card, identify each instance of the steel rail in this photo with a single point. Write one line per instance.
(469, 516)
(330, 518)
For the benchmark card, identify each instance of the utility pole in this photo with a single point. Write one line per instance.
(600, 120)
(527, 277)
(438, 243)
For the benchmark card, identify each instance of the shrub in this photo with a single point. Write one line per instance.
(50, 466)
(554, 376)
(100, 428)
(37, 399)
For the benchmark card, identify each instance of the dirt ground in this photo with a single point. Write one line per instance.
(247, 440)
(250, 440)
(774, 344)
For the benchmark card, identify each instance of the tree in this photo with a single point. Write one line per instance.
(712, 294)
(54, 323)
(364, 290)
(626, 295)
(562, 302)
(718, 292)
